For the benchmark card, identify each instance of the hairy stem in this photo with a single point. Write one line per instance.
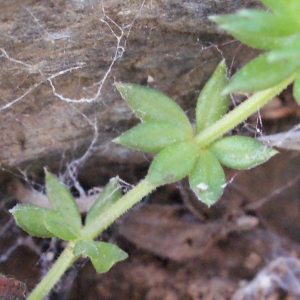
(89, 232)
(93, 229)
(64, 261)
(240, 113)
(206, 137)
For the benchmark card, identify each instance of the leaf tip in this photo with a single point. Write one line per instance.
(213, 18)
(46, 171)
(48, 175)
(117, 140)
(123, 89)
(273, 152)
(208, 202)
(12, 210)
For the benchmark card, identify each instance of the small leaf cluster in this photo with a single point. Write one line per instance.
(64, 221)
(278, 32)
(166, 129)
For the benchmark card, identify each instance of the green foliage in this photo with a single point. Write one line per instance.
(259, 29)
(59, 226)
(62, 201)
(173, 163)
(278, 31)
(179, 154)
(211, 101)
(290, 8)
(103, 255)
(64, 221)
(240, 152)
(207, 178)
(153, 106)
(261, 73)
(109, 195)
(296, 90)
(31, 219)
(166, 129)
(143, 137)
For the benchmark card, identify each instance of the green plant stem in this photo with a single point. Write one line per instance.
(89, 232)
(206, 137)
(100, 223)
(64, 261)
(240, 113)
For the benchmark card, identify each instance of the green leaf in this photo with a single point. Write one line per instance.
(207, 179)
(153, 136)
(31, 219)
(62, 200)
(267, 42)
(43, 222)
(288, 53)
(59, 226)
(277, 6)
(296, 88)
(173, 163)
(211, 104)
(259, 29)
(151, 105)
(260, 74)
(103, 255)
(240, 152)
(252, 21)
(289, 7)
(109, 195)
